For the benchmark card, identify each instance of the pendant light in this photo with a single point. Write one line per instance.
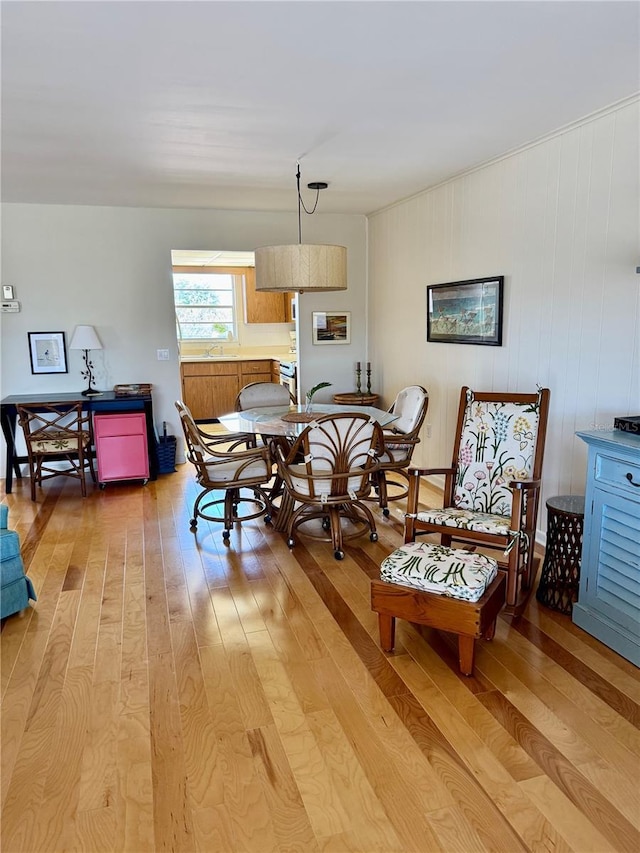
(303, 266)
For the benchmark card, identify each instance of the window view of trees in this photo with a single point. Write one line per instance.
(205, 307)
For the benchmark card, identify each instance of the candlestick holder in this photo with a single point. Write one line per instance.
(358, 372)
(368, 378)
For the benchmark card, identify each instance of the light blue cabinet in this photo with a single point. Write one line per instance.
(608, 605)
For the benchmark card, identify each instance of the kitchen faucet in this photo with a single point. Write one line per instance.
(209, 350)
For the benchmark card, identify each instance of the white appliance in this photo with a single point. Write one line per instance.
(288, 376)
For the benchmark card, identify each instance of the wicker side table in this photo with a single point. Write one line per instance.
(354, 399)
(560, 576)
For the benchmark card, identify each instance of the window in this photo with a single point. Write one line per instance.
(205, 303)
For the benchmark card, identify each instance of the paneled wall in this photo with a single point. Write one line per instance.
(559, 220)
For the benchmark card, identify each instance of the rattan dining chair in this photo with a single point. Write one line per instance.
(240, 475)
(327, 475)
(400, 440)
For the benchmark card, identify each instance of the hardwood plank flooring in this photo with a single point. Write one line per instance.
(168, 692)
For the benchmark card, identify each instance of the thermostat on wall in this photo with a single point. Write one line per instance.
(11, 307)
(7, 291)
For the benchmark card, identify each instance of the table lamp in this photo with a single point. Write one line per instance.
(86, 338)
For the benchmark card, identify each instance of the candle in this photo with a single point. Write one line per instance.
(357, 365)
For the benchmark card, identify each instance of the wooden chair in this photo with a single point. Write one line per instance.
(327, 475)
(59, 442)
(229, 471)
(492, 488)
(400, 439)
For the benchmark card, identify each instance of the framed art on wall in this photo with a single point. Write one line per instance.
(48, 352)
(331, 327)
(466, 312)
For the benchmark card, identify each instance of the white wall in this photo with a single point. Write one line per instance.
(560, 221)
(111, 267)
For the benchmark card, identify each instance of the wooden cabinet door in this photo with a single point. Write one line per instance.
(197, 394)
(224, 392)
(264, 307)
(210, 389)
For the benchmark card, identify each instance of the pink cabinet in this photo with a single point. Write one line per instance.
(121, 447)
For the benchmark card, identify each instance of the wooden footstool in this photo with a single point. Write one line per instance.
(445, 588)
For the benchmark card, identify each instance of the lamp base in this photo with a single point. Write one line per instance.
(91, 392)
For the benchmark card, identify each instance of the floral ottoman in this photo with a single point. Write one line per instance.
(446, 588)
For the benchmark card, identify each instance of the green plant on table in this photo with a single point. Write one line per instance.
(312, 391)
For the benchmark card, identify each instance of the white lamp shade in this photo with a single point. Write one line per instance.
(85, 337)
(301, 267)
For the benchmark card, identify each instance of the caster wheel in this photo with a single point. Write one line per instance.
(102, 486)
(326, 524)
(373, 537)
(339, 555)
(385, 512)
(226, 535)
(291, 542)
(193, 524)
(267, 519)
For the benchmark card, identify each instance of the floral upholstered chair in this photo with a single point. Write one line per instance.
(492, 489)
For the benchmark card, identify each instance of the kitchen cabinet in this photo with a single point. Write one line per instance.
(210, 388)
(608, 605)
(121, 447)
(265, 307)
(254, 371)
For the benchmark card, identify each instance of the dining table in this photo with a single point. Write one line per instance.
(290, 421)
(281, 425)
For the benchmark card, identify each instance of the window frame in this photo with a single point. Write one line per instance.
(238, 275)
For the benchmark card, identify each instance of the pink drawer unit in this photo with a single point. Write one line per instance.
(121, 447)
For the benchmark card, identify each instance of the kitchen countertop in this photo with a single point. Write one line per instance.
(240, 356)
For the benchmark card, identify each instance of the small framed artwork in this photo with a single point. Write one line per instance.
(466, 312)
(331, 327)
(48, 352)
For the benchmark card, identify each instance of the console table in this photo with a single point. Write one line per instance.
(108, 402)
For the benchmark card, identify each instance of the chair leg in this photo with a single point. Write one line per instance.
(387, 628)
(466, 650)
(336, 532)
(490, 633)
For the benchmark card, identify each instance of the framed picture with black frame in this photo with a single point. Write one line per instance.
(48, 352)
(466, 312)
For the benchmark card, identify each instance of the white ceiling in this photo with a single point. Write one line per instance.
(210, 104)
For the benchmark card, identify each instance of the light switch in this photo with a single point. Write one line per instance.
(163, 355)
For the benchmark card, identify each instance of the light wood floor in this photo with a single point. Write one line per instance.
(169, 693)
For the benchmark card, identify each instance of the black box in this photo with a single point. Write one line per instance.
(630, 423)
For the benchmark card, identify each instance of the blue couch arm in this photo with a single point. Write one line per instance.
(15, 587)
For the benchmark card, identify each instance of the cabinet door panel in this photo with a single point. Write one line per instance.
(224, 392)
(612, 567)
(264, 307)
(198, 395)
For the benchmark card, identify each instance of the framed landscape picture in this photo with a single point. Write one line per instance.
(331, 327)
(466, 312)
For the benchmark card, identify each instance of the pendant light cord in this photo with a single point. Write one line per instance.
(301, 204)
